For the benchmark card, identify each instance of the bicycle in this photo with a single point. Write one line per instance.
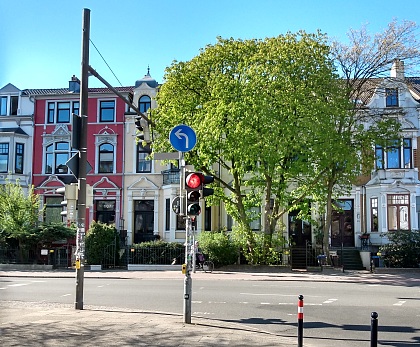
(203, 264)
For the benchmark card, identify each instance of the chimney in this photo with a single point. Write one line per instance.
(397, 69)
(74, 85)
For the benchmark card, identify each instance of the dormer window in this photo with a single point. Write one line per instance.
(391, 97)
(9, 105)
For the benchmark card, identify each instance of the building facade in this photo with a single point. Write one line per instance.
(136, 193)
(16, 135)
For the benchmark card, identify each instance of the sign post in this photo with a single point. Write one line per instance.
(184, 139)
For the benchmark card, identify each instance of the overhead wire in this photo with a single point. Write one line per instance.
(105, 62)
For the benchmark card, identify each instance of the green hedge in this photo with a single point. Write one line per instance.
(403, 250)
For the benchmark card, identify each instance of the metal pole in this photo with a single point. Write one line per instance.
(81, 205)
(374, 330)
(300, 321)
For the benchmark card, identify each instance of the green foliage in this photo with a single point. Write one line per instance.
(256, 107)
(266, 249)
(98, 237)
(19, 212)
(219, 247)
(403, 251)
(47, 233)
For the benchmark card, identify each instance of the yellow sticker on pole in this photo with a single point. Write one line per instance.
(78, 264)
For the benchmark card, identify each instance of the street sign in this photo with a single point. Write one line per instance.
(73, 165)
(166, 156)
(182, 138)
(176, 205)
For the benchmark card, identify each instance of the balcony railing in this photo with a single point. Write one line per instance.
(171, 176)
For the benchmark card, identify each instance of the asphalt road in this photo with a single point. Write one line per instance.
(335, 313)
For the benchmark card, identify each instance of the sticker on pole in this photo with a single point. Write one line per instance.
(183, 138)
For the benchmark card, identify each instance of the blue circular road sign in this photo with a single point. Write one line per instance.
(182, 138)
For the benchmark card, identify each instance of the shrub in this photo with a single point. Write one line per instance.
(97, 239)
(219, 247)
(403, 250)
(266, 248)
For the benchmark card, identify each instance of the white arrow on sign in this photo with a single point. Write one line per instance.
(179, 134)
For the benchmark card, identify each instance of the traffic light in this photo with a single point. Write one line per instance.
(207, 180)
(193, 186)
(143, 132)
(69, 203)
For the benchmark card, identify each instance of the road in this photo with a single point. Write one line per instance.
(335, 313)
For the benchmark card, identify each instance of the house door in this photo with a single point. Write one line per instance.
(342, 225)
(105, 211)
(299, 230)
(143, 221)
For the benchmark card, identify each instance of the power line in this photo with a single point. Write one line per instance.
(105, 62)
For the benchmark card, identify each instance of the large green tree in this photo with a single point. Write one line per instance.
(258, 108)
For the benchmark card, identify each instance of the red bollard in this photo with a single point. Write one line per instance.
(300, 321)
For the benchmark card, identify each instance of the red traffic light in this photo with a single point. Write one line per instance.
(194, 180)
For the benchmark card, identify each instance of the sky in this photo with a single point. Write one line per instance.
(41, 40)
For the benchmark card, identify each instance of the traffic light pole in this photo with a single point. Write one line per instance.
(187, 279)
(81, 205)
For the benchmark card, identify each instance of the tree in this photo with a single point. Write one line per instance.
(361, 63)
(257, 106)
(19, 213)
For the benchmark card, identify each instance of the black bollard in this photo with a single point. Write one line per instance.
(300, 321)
(374, 330)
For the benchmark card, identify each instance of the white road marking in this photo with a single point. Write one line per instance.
(329, 301)
(66, 295)
(400, 303)
(18, 285)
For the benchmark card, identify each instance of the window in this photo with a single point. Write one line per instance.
(167, 214)
(59, 112)
(391, 97)
(143, 164)
(13, 105)
(407, 153)
(19, 158)
(398, 212)
(76, 106)
(106, 158)
(256, 216)
(56, 156)
(3, 106)
(396, 156)
(106, 111)
(4, 157)
(14, 100)
(144, 103)
(374, 214)
(53, 209)
(393, 155)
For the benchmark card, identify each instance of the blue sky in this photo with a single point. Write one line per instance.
(41, 40)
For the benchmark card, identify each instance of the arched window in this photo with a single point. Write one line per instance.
(106, 158)
(144, 103)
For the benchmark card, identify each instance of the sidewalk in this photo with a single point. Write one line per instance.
(40, 324)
